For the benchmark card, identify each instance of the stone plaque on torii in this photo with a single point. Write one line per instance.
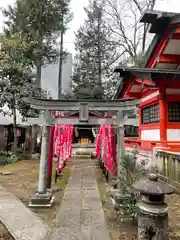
(43, 197)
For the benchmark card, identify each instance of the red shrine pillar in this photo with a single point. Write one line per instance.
(139, 122)
(163, 114)
(50, 156)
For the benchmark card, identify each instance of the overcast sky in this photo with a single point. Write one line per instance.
(79, 16)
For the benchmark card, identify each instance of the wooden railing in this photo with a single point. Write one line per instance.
(167, 160)
(149, 145)
(169, 167)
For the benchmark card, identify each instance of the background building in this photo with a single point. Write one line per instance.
(49, 79)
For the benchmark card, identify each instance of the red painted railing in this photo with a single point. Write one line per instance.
(149, 145)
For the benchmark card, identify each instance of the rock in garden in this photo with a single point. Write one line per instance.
(13, 158)
(35, 156)
(5, 172)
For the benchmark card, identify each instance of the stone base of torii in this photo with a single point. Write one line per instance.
(43, 196)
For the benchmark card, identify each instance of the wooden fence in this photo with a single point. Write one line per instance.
(169, 167)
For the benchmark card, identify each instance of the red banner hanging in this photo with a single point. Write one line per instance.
(18, 132)
(5, 132)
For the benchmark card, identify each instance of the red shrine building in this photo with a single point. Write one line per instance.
(156, 84)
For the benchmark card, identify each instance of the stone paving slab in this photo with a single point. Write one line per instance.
(66, 233)
(71, 203)
(70, 187)
(81, 215)
(69, 218)
(91, 193)
(89, 186)
(94, 232)
(73, 184)
(89, 181)
(20, 221)
(92, 217)
(91, 204)
(72, 193)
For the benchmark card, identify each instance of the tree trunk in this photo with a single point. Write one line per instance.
(14, 123)
(38, 73)
(38, 84)
(144, 39)
(33, 140)
(99, 54)
(60, 66)
(30, 150)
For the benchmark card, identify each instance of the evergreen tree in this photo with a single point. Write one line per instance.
(95, 54)
(28, 41)
(39, 22)
(16, 78)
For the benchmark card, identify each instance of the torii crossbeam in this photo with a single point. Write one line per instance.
(68, 105)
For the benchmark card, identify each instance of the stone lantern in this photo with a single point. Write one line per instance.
(153, 211)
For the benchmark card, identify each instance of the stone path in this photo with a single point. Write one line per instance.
(20, 221)
(81, 215)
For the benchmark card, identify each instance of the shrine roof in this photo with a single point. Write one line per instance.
(159, 20)
(148, 73)
(163, 54)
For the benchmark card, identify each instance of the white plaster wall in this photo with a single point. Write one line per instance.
(172, 91)
(173, 134)
(152, 135)
(150, 96)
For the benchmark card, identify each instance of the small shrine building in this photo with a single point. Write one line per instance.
(156, 84)
(84, 133)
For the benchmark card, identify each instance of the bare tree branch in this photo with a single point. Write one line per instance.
(120, 29)
(137, 5)
(123, 20)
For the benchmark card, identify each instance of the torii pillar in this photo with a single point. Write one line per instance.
(43, 196)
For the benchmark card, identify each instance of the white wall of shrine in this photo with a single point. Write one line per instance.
(172, 91)
(154, 94)
(173, 134)
(154, 134)
(150, 135)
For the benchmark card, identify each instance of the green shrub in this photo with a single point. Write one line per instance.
(3, 153)
(4, 160)
(19, 151)
(8, 158)
(23, 157)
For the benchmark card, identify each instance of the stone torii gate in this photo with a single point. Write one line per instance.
(44, 197)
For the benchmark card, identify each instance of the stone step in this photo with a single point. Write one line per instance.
(83, 153)
(81, 156)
